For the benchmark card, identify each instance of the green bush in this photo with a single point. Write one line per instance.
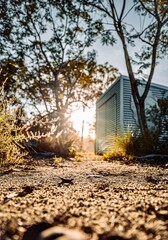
(157, 136)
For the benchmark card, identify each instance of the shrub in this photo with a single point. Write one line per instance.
(11, 138)
(157, 136)
(155, 141)
(122, 147)
(45, 137)
(133, 144)
(61, 146)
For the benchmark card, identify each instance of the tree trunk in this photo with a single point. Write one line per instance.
(140, 107)
(138, 100)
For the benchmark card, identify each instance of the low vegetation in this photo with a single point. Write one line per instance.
(11, 139)
(17, 140)
(133, 144)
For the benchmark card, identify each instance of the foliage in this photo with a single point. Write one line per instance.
(11, 139)
(127, 143)
(158, 116)
(43, 136)
(113, 155)
(122, 147)
(150, 144)
(11, 71)
(155, 141)
(52, 50)
(46, 57)
(61, 146)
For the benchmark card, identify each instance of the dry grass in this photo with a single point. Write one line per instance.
(11, 138)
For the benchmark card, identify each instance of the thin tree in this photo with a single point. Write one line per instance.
(152, 36)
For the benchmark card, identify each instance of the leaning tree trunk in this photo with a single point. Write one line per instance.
(138, 100)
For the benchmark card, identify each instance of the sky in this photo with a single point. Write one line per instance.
(114, 55)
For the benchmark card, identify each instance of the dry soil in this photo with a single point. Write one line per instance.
(106, 200)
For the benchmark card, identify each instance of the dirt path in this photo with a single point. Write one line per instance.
(106, 200)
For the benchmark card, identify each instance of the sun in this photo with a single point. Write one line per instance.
(81, 121)
(77, 118)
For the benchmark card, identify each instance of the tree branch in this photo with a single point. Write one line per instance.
(122, 11)
(143, 5)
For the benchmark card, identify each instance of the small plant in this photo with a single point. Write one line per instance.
(127, 143)
(121, 147)
(47, 136)
(61, 146)
(57, 160)
(155, 140)
(113, 155)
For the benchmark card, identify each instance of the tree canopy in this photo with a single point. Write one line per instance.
(46, 60)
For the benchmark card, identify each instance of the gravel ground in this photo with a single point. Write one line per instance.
(104, 200)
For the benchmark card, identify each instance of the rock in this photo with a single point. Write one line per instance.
(62, 233)
(34, 231)
(65, 180)
(26, 190)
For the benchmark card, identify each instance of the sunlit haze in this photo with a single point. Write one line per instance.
(88, 117)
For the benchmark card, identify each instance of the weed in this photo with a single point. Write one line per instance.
(57, 160)
(127, 143)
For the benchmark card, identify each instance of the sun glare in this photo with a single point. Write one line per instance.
(79, 118)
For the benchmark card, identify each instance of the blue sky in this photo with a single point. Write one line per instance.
(114, 56)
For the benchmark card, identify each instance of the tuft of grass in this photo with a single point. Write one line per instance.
(57, 160)
(127, 143)
(113, 155)
(122, 148)
(132, 144)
